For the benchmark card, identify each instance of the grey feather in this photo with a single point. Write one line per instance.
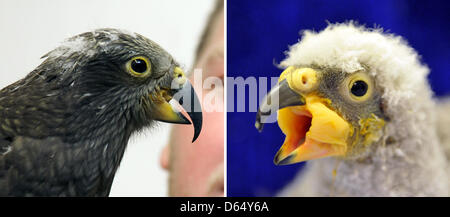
(65, 126)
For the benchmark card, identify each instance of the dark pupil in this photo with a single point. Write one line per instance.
(139, 65)
(359, 88)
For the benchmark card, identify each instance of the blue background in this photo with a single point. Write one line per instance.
(258, 33)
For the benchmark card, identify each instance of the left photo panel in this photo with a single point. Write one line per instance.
(112, 98)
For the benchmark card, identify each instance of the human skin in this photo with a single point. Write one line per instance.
(197, 169)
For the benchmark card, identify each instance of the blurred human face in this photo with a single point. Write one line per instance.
(197, 169)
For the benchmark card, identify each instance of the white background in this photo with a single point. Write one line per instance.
(29, 29)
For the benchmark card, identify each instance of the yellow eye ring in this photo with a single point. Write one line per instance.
(360, 87)
(139, 67)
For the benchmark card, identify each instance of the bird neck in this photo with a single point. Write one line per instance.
(407, 161)
(103, 132)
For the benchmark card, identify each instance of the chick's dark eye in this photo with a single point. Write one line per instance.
(359, 88)
(139, 65)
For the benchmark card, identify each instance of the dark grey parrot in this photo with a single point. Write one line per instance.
(65, 126)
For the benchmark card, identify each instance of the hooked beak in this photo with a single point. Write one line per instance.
(312, 129)
(182, 92)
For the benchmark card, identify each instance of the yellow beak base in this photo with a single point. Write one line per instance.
(312, 131)
(164, 111)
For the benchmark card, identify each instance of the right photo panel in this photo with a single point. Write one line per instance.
(332, 98)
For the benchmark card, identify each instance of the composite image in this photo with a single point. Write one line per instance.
(224, 99)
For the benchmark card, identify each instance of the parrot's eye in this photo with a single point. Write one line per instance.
(359, 87)
(139, 66)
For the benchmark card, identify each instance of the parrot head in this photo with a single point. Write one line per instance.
(121, 75)
(344, 92)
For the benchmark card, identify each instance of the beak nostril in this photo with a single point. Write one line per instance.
(301, 79)
(304, 80)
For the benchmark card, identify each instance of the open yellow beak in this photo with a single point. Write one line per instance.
(312, 129)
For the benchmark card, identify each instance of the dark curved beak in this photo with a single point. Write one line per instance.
(188, 99)
(279, 97)
(182, 92)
